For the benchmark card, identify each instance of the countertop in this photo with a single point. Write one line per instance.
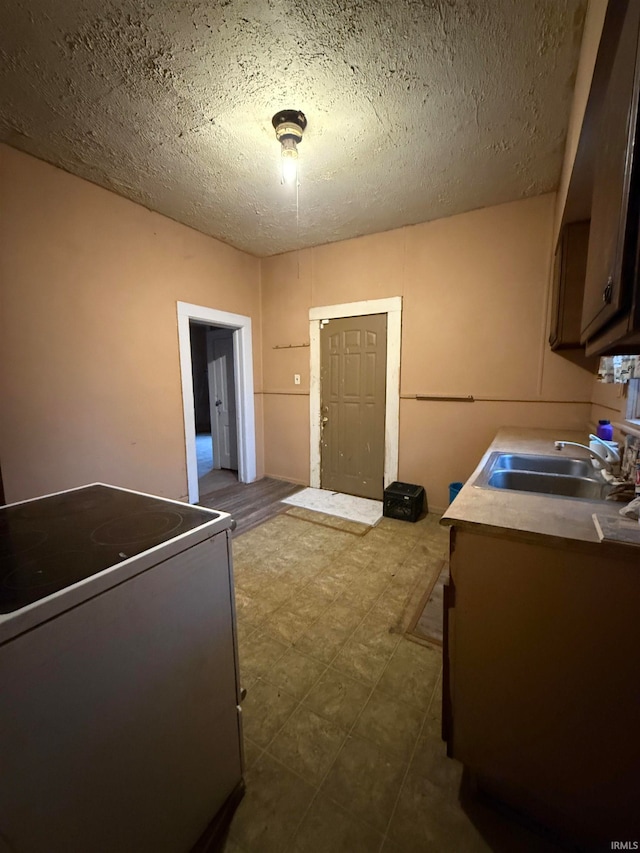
(529, 516)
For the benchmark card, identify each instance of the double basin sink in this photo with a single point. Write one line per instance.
(559, 476)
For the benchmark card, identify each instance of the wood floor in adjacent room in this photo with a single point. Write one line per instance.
(251, 503)
(342, 713)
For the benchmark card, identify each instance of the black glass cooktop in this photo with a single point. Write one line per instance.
(53, 542)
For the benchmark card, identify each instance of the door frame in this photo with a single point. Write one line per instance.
(392, 307)
(243, 371)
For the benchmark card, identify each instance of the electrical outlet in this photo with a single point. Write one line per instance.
(296, 378)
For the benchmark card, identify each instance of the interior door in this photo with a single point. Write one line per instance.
(353, 364)
(222, 396)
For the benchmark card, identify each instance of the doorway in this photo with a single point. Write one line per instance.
(235, 331)
(392, 308)
(214, 401)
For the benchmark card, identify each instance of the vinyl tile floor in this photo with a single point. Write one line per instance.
(342, 714)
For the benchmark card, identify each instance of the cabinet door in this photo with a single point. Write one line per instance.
(568, 286)
(609, 278)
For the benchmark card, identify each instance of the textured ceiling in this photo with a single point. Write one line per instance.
(416, 109)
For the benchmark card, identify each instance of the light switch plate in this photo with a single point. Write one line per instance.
(296, 378)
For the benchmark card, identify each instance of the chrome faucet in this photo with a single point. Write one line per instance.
(610, 458)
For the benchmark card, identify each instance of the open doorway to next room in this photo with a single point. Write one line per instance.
(214, 401)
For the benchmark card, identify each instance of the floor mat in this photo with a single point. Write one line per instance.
(358, 528)
(333, 503)
(426, 623)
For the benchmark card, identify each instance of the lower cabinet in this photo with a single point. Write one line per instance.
(541, 696)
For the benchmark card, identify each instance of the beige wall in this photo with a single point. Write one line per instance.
(89, 368)
(475, 306)
(609, 400)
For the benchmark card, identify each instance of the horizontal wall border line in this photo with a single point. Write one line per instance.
(443, 398)
(285, 393)
(421, 398)
(610, 408)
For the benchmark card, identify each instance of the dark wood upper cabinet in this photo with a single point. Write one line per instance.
(568, 286)
(610, 311)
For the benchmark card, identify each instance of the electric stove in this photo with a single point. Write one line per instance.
(118, 665)
(54, 542)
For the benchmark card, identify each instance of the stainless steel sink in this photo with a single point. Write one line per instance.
(559, 476)
(545, 464)
(549, 484)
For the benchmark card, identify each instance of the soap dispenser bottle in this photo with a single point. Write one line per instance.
(605, 430)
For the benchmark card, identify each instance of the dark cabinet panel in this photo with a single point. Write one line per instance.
(611, 262)
(568, 286)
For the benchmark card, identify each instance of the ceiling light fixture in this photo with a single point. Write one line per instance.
(289, 126)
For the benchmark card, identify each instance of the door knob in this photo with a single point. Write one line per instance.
(325, 420)
(218, 402)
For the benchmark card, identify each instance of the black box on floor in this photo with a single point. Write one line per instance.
(404, 501)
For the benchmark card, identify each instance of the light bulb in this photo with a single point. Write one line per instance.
(289, 126)
(289, 161)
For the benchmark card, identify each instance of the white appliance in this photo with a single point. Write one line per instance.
(120, 724)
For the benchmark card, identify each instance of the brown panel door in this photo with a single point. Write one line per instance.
(353, 393)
